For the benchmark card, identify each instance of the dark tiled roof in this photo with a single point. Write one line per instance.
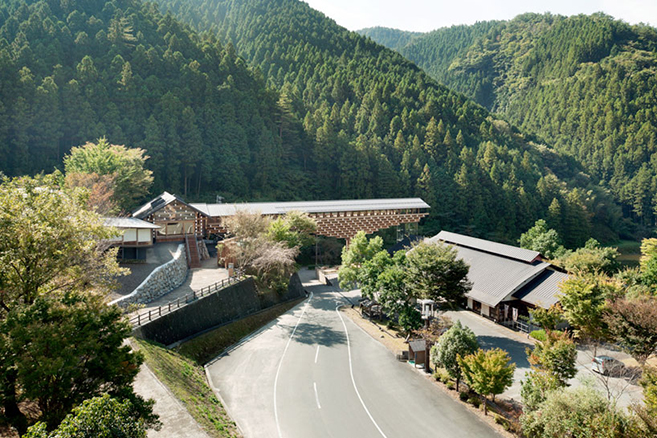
(543, 290)
(418, 345)
(512, 252)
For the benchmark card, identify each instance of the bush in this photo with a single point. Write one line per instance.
(539, 335)
(441, 375)
(463, 396)
(502, 421)
(474, 401)
(450, 385)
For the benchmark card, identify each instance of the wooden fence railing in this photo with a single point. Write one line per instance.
(156, 312)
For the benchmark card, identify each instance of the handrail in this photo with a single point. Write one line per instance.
(152, 314)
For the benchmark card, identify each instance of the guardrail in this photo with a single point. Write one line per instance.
(152, 314)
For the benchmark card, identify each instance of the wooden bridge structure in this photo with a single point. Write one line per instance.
(335, 218)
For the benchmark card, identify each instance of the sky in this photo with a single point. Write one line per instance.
(426, 15)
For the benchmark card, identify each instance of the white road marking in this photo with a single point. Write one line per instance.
(351, 371)
(280, 363)
(316, 354)
(317, 396)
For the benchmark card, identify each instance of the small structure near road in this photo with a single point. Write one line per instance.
(135, 236)
(417, 352)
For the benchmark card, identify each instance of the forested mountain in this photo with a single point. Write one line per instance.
(326, 113)
(392, 38)
(586, 84)
(75, 71)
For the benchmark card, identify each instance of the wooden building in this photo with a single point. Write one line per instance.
(342, 219)
(135, 236)
(507, 281)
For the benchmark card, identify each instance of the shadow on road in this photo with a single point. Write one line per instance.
(515, 349)
(316, 334)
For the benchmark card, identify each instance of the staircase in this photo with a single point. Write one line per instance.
(193, 258)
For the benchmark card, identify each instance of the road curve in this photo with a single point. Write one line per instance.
(314, 373)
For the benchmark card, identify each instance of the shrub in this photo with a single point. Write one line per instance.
(463, 396)
(539, 335)
(474, 401)
(450, 385)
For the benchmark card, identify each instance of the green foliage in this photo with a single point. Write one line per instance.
(649, 262)
(649, 383)
(357, 118)
(126, 167)
(540, 238)
(583, 302)
(487, 372)
(547, 319)
(539, 335)
(556, 356)
(535, 388)
(380, 275)
(99, 417)
(392, 38)
(576, 412)
(434, 271)
(455, 342)
(294, 228)
(43, 343)
(360, 250)
(409, 318)
(577, 81)
(590, 259)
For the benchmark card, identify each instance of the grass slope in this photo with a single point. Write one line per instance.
(187, 381)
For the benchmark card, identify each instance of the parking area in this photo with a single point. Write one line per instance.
(622, 389)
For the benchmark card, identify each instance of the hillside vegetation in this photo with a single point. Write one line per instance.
(374, 125)
(585, 84)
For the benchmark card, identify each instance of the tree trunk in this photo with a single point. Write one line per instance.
(485, 406)
(427, 357)
(16, 418)
(458, 380)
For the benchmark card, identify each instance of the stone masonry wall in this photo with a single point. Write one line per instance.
(161, 281)
(227, 305)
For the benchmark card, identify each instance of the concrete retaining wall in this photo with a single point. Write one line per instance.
(161, 281)
(230, 304)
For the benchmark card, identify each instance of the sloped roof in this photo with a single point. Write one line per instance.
(129, 222)
(494, 277)
(500, 249)
(156, 204)
(275, 208)
(542, 290)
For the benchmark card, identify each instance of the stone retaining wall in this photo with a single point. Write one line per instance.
(161, 281)
(226, 305)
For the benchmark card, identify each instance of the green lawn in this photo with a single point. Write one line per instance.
(209, 345)
(187, 382)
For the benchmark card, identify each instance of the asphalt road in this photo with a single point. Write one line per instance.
(314, 373)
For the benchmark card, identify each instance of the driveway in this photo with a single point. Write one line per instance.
(314, 373)
(490, 335)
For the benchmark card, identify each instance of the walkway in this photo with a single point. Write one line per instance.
(176, 421)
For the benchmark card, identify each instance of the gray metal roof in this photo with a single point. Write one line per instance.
(275, 208)
(417, 345)
(154, 205)
(543, 290)
(129, 222)
(494, 277)
(512, 252)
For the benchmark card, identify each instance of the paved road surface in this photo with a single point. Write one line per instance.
(314, 373)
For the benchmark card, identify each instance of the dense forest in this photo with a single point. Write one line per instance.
(392, 38)
(320, 113)
(585, 84)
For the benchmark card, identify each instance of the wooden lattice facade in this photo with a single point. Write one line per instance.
(341, 219)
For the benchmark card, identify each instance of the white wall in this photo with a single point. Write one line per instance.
(485, 310)
(144, 235)
(469, 303)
